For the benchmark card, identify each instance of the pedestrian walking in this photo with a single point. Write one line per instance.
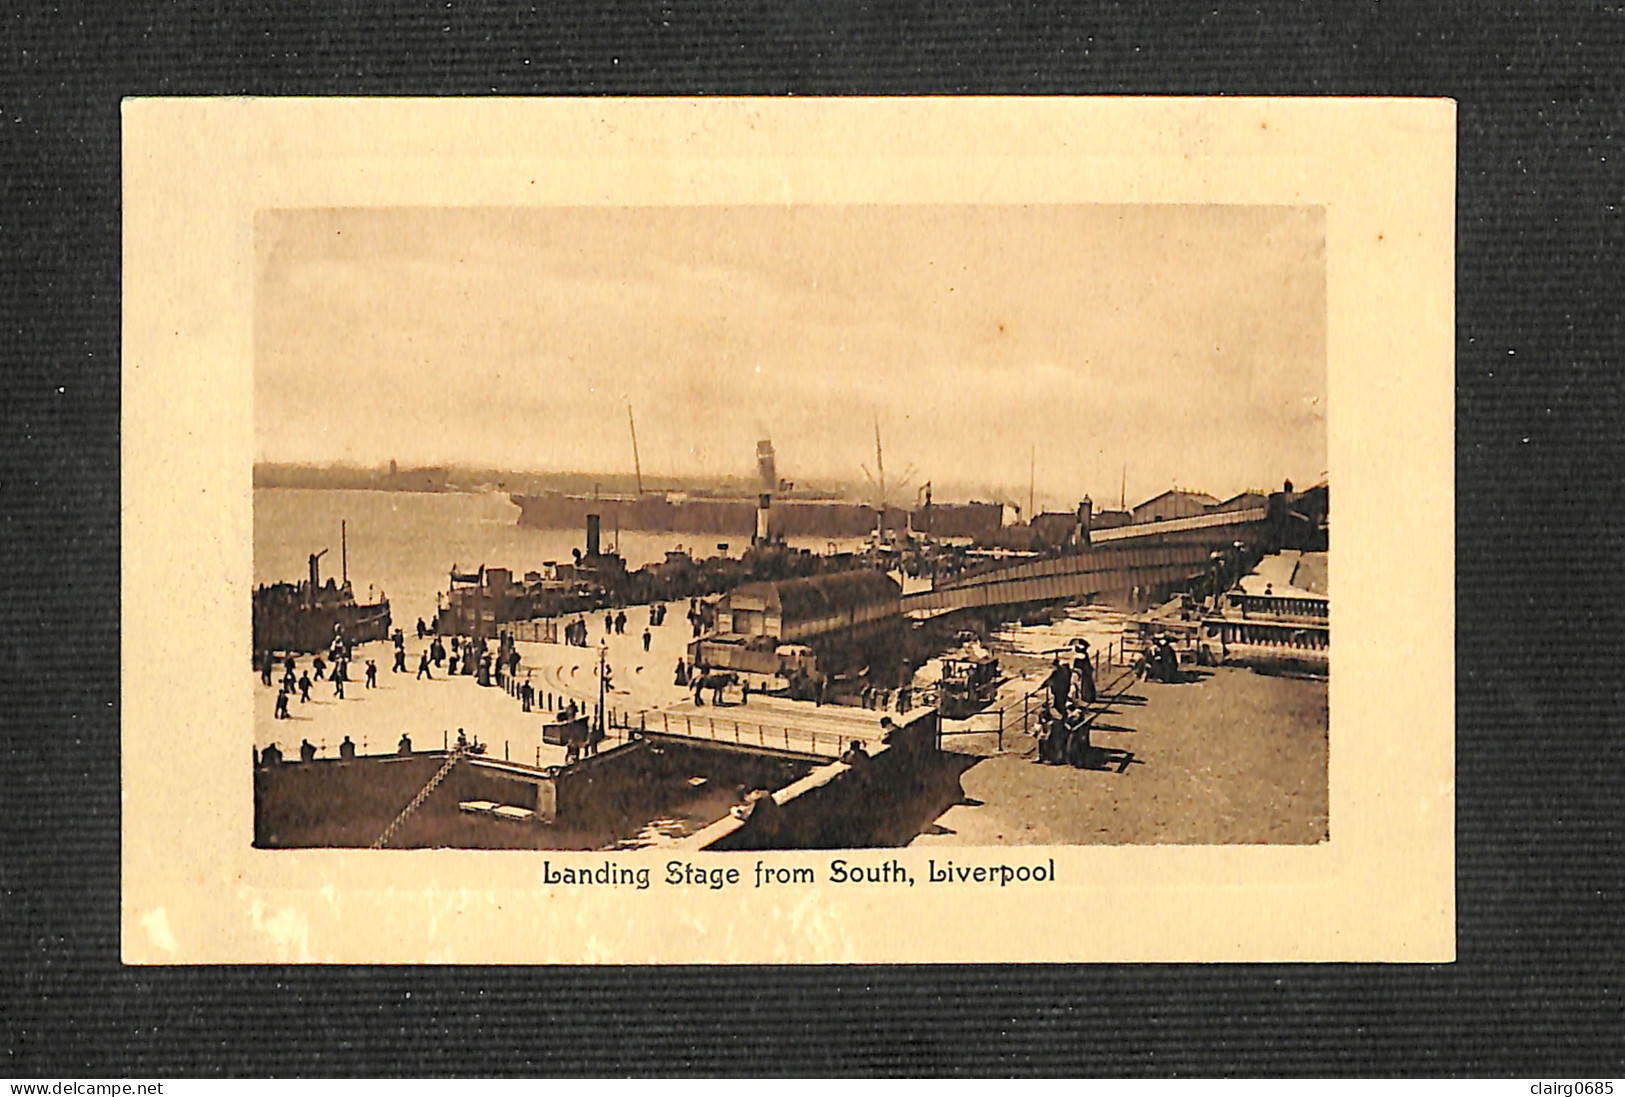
(620, 623)
(304, 687)
(267, 668)
(338, 684)
(609, 623)
(282, 705)
(372, 674)
(646, 638)
(321, 668)
(400, 662)
(451, 665)
(423, 667)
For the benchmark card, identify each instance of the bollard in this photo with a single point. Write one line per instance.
(504, 750)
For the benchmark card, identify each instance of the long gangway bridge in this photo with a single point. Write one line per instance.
(1146, 555)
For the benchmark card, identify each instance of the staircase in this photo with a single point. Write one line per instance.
(417, 801)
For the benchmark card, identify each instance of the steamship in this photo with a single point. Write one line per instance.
(305, 616)
(787, 512)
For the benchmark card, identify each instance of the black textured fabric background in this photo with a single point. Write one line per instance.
(1537, 988)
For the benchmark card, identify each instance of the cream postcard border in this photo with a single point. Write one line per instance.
(195, 173)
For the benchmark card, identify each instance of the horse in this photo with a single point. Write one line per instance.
(715, 681)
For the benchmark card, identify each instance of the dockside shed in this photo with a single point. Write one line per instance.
(792, 610)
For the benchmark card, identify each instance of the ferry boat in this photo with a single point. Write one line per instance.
(304, 617)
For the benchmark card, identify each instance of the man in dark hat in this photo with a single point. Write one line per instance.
(1083, 674)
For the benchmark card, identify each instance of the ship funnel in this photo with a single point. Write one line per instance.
(315, 578)
(764, 508)
(592, 534)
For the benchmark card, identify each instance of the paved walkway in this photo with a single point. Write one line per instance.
(431, 710)
(1234, 757)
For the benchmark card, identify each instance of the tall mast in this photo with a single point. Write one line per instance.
(880, 469)
(1122, 498)
(344, 552)
(636, 464)
(1032, 472)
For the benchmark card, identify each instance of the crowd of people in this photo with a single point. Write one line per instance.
(335, 669)
(451, 655)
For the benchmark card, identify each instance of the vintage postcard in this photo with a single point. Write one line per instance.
(743, 531)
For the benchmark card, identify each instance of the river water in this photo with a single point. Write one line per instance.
(404, 544)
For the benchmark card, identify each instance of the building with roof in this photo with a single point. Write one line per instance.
(1052, 529)
(793, 611)
(1251, 499)
(1174, 503)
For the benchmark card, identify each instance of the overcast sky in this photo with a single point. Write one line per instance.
(1186, 342)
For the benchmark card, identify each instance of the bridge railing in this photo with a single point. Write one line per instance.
(726, 729)
(1313, 607)
(1114, 670)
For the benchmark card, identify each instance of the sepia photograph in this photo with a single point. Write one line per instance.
(787, 532)
(795, 527)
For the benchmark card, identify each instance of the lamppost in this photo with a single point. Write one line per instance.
(603, 674)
